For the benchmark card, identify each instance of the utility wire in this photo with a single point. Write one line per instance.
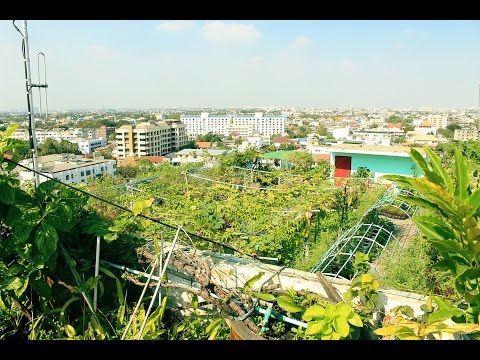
(127, 209)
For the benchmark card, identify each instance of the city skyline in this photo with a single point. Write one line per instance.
(213, 63)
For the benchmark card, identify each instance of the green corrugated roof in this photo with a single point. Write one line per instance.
(280, 154)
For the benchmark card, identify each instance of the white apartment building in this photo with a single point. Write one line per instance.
(465, 134)
(68, 168)
(147, 139)
(257, 123)
(88, 146)
(56, 134)
(377, 136)
(255, 141)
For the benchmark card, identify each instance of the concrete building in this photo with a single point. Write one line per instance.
(68, 168)
(377, 136)
(465, 134)
(438, 121)
(209, 156)
(429, 140)
(380, 160)
(89, 145)
(244, 125)
(104, 131)
(56, 134)
(147, 139)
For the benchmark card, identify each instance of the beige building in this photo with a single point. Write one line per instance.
(465, 134)
(437, 121)
(147, 139)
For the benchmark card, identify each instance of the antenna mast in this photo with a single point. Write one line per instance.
(29, 86)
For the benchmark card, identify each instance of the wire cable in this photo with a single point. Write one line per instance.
(126, 209)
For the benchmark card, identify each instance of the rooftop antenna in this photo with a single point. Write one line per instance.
(29, 86)
(44, 82)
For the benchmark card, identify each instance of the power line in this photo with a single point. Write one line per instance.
(126, 209)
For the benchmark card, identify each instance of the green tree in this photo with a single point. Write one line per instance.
(300, 160)
(50, 146)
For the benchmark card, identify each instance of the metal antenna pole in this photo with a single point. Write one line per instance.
(31, 120)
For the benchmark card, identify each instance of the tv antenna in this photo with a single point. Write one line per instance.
(29, 86)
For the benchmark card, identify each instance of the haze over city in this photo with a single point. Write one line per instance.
(221, 63)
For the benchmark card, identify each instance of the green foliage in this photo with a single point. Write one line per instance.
(454, 230)
(402, 324)
(51, 146)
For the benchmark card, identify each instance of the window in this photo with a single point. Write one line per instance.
(67, 177)
(88, 172)
(82, 173)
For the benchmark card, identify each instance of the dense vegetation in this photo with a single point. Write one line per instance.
(48, 237)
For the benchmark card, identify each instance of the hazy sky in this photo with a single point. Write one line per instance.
(210, 63)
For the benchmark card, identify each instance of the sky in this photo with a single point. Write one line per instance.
(120, 64)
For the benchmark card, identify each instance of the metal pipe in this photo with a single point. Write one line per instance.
(266, 316)
(281, 317)
(31, 120)
(139, 299)
(97, 265)
(159, 283)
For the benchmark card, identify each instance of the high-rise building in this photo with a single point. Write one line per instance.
(147, 139)
(247, 124)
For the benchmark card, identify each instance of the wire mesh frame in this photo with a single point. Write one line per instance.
(371, 236)
(390, 197)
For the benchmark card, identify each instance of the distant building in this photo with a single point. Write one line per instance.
(429, 140)
(198, 155)
(68, 168)
(465, 134)
(88, 146)
(438, 121)
(244, 125)
(377, 136)
(147, 139)
(283, 140)
(104, 131)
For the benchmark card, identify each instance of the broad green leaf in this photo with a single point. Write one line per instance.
(366, 278)
(437, 166)
(11, 283)
(7, 193)
(249, 283)
(10, 130)
(441, 315)
(59, 216)
(313, 312)
(42, 288)
(288, 304)
(13, 216)
(15, 269)
(70, 331)
(264, 296)
(46, 239)
(138, 206)
(120, 296)
(341, 326)
(474, 202)
(462, 184)
(212, 329)
(343, 310)
(419, 160)
(21, 232)
(355, 320)
(314, 327)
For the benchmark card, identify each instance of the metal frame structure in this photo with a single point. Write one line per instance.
(365, 237)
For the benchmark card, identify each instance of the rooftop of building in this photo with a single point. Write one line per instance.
(61, 162)
(388, 150)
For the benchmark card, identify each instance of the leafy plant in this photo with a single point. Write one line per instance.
(453, 228)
